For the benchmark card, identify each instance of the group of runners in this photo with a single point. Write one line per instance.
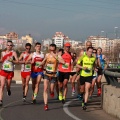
(56, 68)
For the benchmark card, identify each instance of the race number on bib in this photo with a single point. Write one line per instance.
(65, 66)
(37, 64)
(28, 66)
(50, 67)
(7, 66)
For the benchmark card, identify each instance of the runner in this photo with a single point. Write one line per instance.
(64, 72)
(8, 58)
(102, 66)
(86, 63)
(73, 73)
(51, 65)
(82, 52)
(25, 70)
(94, 75)
(37, 69)
(60, 52)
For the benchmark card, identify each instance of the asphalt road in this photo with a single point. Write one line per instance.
(14, 109)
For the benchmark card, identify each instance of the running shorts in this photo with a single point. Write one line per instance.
(25, 74)
(35, 74)
(85, 79)
(8, 75)
(51, 79)
(63, 75)
(100, 71)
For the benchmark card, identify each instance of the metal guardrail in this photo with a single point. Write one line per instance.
(112, 76)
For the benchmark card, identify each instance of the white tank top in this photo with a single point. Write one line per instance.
(7, 65)
(25, 67)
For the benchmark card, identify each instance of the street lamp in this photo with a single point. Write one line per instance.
(102, 32)
(115, 31)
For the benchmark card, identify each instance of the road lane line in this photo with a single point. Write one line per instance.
(5, 107)
(66, 110)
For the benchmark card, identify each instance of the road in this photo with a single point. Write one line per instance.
(15, 109)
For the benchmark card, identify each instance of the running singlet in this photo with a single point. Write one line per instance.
(85, 61)
(67, 66)
(25, 67)
(7, 65)
(51, 65)
(37, 60)
(102, 61)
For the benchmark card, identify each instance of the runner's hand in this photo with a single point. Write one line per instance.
(84, 68)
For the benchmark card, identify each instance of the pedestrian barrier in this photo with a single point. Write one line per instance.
(112, 76)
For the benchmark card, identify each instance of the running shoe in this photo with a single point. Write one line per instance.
(84, 107)
(63, 100)
(45, 107)
(1, 103)
(60, 96)
(82, 104)
(52, 94)
(9, 93)
(80, 98)
(33, 100)
(99, 92)
(24, 99)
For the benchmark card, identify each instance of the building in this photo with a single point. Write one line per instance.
(46, 42)
(99, 41)
(59, 39)
(27, 39)
(12, 36)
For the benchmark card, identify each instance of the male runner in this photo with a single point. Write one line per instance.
(8, 58)
(102, 66)
(64, 72)
(37, 69)
(51, 64)
(25, 70)
(86, 63)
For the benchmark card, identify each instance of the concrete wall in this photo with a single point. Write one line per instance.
(111, 100)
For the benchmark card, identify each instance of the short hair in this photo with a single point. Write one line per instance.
(89, 48)
(61, 50)
(99, 48)
(10, 41)
(95, 49)
(53, 45)
(37, 43)
(28, 44)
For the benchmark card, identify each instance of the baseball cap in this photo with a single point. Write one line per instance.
(67, 44)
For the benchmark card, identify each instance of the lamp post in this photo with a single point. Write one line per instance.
(102, 33)
(115, 31)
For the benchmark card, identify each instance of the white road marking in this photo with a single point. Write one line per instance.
(65, 108)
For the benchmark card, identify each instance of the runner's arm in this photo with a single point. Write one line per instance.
(16, 58)
(60, 59)
(21, 59)
(29, 60)
(1, 57)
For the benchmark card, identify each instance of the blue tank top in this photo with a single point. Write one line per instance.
(102, 61)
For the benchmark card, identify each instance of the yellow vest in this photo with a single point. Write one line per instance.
(85, 61)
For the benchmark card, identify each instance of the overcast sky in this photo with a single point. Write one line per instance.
(77, 19)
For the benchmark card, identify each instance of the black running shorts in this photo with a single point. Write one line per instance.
(63, 75)
(85, 79)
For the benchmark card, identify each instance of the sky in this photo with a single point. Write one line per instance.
(77, 19)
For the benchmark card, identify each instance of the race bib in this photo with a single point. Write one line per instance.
(37, 64)
(50, 67)
(7, 66)
(28, 66)
(87, 71)
(65, 66)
